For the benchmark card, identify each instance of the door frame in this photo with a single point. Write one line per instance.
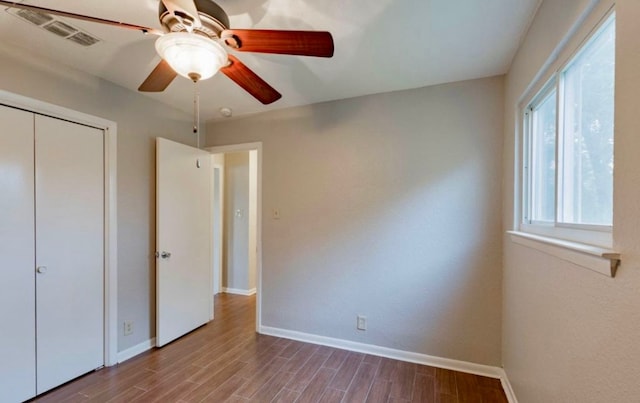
(218, 219)
(110, 129)
(257, 146)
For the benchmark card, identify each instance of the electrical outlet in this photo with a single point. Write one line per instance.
(128, 327)
(361, 322)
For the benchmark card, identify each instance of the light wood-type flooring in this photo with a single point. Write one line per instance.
(226, 361)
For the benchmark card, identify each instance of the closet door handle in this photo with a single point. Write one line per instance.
(41, 269)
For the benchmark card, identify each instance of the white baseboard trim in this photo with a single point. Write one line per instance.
(239, 291)
(446, 363)
(135, 350)
(424, 359)
(508, 389)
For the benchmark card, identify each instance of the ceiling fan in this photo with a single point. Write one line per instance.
(194, 39)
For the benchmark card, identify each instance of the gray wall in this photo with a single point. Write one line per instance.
(390, 208)
(236, 229)
(139, 121)
(570, 334)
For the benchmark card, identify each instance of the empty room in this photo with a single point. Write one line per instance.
(297, 201)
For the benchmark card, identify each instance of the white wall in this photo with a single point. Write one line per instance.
(389, 207)
(139, 121)
(236, 228)
(572, 335)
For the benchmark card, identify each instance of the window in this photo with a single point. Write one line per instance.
(568, 144)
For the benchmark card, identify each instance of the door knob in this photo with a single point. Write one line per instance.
(163, 255)
(41, 269)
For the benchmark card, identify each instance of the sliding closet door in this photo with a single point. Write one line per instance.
(69, 250)
(17, 277)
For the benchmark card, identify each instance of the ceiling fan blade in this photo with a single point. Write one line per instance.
(43, 10)
(183, 8)
(301, 43)
(250, 81)
(159, 79)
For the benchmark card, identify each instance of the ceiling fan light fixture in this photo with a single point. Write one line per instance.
(192, 55)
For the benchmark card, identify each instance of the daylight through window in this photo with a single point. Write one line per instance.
(569, 141)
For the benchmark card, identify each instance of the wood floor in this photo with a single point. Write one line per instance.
(226, 361)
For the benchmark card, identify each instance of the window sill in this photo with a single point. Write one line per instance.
(601, 260)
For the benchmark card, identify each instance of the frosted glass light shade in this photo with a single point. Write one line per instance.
(190, 54)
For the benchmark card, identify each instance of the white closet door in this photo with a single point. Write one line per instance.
(17, 276)
(69, 250)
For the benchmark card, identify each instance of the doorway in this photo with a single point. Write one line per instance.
(237, 246)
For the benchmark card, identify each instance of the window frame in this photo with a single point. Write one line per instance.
(600, 235)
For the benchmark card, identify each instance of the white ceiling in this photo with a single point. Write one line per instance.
(381, 46)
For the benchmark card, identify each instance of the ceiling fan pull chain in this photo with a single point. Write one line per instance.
(196, 113)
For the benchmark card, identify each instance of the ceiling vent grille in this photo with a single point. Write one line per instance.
(83, 39)
(60, 29)
(55, 26)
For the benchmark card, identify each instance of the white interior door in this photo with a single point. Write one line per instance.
(17, 282)
(69, 250)
(183, 224)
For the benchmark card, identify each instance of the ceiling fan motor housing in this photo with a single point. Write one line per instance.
(214, 19)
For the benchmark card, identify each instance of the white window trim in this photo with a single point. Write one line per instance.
(601, 260)
(587, 246)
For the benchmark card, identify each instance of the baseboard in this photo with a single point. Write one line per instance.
(446, 363)
(508, 389)
(239, 291)
(135, 350)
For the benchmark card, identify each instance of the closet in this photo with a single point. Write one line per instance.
(51, 252)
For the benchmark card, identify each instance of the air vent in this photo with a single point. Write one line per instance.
(83, 39)
(34, 17)
(60, 29)
(55, 26)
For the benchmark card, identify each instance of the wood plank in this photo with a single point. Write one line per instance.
(286, 396)
(380, 391)
(347, 371)
(291, 349)
(270, 389)
(225, 391)
(260, 377)
(332, 396)
(386, 368)
(402, 380)
(426, 370)
(307, 372)
(314, 391)
(493, 395)
(336, 359)
(126, 396)
(372, 359)
(181, 390)
(446, 382)
(300, 358)
(445, 398)
(213, 382)
(468, 388)
(424, 389)
(487, 382)
(359, 388)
